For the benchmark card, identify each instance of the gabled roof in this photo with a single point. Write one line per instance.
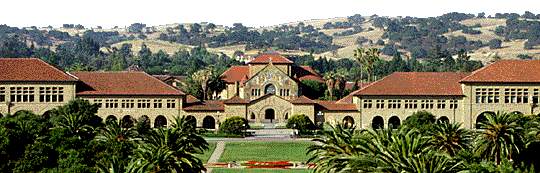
(191, 99)
(122, 83)
(303, 100)
(416, 83)
(306, 73)
(236, 100)
(239, 73)
(336, 106)
(30, 69)
(235, 73)
(507, 71)
(208, 105)
(265, 59)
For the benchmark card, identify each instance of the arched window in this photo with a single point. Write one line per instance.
(192, 120)
(111, 118)
(252, 116)
(209, 122)
(160, 122)
(443, 119)
(348, 121)
(394, 122)
(377, 122)
(270, 89)
(482, 118)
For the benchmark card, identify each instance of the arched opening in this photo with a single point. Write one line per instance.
(126, 122)
(111, 118)
(192, 120)
(348, 121)
(252, 116)
(144, 121)
(516, 113)
(160, 122)
(286, 116)
(443, 119)
(394, 122)
(23, 112)
(269, 114)
(270, 89)
(47, 115)
(1, 115)
(482, 118)
(377, 122)
(209, 122)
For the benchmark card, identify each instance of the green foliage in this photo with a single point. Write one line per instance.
(234, 125)
(313, 89)
(301, 122)
(494, 43)
(78, 117)
(421, 120)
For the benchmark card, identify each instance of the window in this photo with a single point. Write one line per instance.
(22, 94)
(394, 104)
(441, 104)
(127, 103)
(143, 103)
(98, 102)
(270, 89)
(51, 94)
(487, 95)
(255, 92)
(380, 104)
(453, 104)
(157, 103)
(367, 103)
(111, 103)
(410, 104)
(426, 104)
(535, 95)
(516, 95)
(171, 104)
(2, 94)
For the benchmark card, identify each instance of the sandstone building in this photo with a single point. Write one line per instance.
(268, 91)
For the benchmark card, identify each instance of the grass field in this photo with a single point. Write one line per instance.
(204, 157)
(258, 171)
(265, 151)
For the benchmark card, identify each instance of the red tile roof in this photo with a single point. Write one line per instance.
(122, 83)
(336, 106)
(235, 73)
(416, 83)
(239, 73)
(303, 100)
(30, 69)
(236, 100)
(265, 59)
(306, 73)
(208, 105)
(191, 99)
(507, 71)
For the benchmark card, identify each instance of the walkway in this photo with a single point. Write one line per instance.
(220, 146)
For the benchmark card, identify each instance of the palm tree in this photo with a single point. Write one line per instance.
(117, 167)
(448, 137)
(341, 82)
(115, 133)
(366, 59)
(340, 151)
(330, 81)
(73, 123)
(203, 76)
(498, 138)
(173, 149)
(216, 84)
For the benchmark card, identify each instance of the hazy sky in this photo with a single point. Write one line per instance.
(110, 13)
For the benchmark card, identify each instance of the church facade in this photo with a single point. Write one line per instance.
(268, 91)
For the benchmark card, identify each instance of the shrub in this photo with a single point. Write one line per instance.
(494, 43)
(233, 125)
(421, 120)
(300, 122)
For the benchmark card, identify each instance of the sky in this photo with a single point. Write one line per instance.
(251, 13)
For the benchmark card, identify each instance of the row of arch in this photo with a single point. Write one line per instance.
(128, 121)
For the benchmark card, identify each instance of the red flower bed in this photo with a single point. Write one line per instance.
(261, 164)
(278, 167)
(312, 164)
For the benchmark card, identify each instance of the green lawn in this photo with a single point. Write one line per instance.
(259, 171)
(204, 157)
(265, 151)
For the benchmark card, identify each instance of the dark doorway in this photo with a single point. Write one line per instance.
(160, 122)
(269, 115)
(377, 122)
(482, 118)
(127, 122)
(111, 118)
(209, 122)
(394, 122)
(444, 119)
(348, 121)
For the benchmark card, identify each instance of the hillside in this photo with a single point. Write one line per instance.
(344, 44)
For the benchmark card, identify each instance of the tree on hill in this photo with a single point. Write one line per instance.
(136, 28)
(495, 43)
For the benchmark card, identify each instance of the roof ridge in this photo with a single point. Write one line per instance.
(153, 78)
(56, 68)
